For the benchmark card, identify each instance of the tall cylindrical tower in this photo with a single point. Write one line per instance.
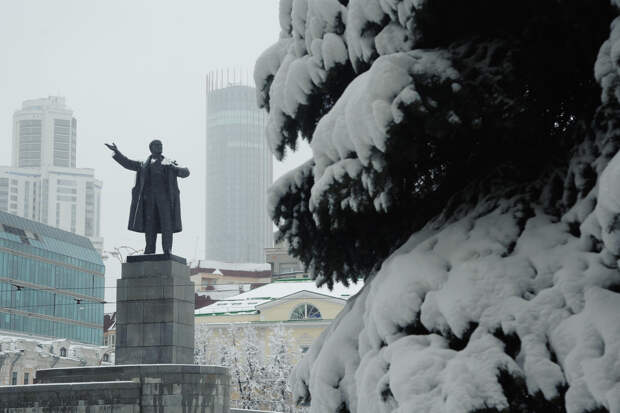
(239, 170)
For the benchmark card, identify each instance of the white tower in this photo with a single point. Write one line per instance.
(43, 183)
(44, 134)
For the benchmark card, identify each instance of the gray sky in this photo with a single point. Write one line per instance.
(132, 70)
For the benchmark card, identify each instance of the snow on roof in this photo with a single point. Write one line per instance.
(248, 301)
(234, 266)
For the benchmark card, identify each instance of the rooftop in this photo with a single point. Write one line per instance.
(25, 234)
(247, 302)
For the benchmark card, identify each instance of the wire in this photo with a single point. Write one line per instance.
(20, 287)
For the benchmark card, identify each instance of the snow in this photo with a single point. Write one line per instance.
(608, 206)
(287, 183)
(259, 363)
(393, 38)
(496, 269)
(500, 289)
(247, 302)
(398, 34)
(232, 266)
(310, 45)
(334, 51)
(607, 67)
(356, 127)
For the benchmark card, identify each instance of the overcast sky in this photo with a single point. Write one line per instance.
(132, 70)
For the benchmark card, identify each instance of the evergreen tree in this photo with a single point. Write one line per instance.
(475, 144)
(405, 103)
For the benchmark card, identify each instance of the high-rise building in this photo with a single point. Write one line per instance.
(42, 182)
(51, 282)
(239, 170)
(44, 134)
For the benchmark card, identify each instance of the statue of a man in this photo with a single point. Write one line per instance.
(155, 203)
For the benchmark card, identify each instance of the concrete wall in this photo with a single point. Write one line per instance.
(171, 388)
(108, 397)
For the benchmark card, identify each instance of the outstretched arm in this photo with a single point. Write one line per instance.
(123, 160)
(179, 171)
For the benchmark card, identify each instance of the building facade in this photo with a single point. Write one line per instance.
(44, 134)
(42, 182)
(22, 355)
(239, 170)
(283, 265)
(299, 305)
(65, 198)
(51, 282)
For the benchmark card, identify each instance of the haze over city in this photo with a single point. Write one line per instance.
(132, 71)
(451, 243)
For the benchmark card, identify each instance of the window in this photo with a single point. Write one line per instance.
(63, 352)
(289, 267)
(62, 142)
(26, 378)
(15, 231)
(304, 349)
(305, 312)
(14, 378)
(106, 357)
(66, 182)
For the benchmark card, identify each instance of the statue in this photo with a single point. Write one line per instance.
(155, 203)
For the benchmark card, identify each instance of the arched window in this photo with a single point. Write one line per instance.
(63, 352)
(106, 357)
(305, 312)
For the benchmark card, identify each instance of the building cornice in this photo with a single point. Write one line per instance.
(301, 295)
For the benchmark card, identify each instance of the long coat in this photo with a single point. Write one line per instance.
(136, 211)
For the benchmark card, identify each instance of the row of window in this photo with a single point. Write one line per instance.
(50, 303)
(51, 328)
(47, 274)
(73, 260)
(14, 378)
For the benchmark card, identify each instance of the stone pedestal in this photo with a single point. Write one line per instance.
(154, 355)
(146, 388)
(155, 311)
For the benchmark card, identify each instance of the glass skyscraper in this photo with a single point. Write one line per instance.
(239, 171)
(51, 282)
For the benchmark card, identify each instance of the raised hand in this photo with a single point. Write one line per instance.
(112, 147)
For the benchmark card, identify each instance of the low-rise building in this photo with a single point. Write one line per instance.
(300, 305)
(205, 273)
(22, 355)
(109, 329)
(284, 265)
(215, 280)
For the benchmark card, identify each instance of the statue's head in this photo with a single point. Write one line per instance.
(156, 147)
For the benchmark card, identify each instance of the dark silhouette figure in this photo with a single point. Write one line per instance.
(155, 203)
